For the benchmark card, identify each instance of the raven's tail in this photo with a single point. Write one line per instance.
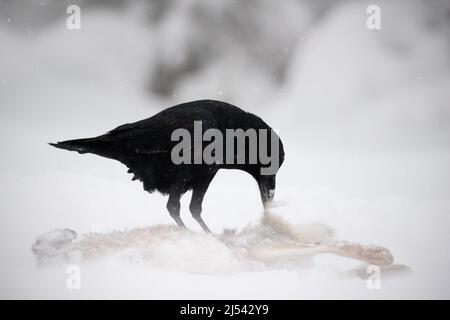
(79, 145)
(89, 145)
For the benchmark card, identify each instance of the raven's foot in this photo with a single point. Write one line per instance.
(202, 223)
(179, 222)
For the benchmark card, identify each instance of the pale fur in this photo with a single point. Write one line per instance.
(272, 240)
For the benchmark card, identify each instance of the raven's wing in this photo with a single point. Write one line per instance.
(154, 135)
(145, 146)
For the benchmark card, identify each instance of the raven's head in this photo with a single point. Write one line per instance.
(266, 182)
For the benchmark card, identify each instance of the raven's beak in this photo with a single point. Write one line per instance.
(267, 190)
(268, 202)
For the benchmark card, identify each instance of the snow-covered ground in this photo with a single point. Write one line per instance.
(364, 117)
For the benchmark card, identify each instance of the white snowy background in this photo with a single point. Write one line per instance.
(364, 116)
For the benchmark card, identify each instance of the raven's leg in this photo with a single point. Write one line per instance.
(173, 205)
(198, 192)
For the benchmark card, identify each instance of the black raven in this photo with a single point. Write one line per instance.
(147, 147)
